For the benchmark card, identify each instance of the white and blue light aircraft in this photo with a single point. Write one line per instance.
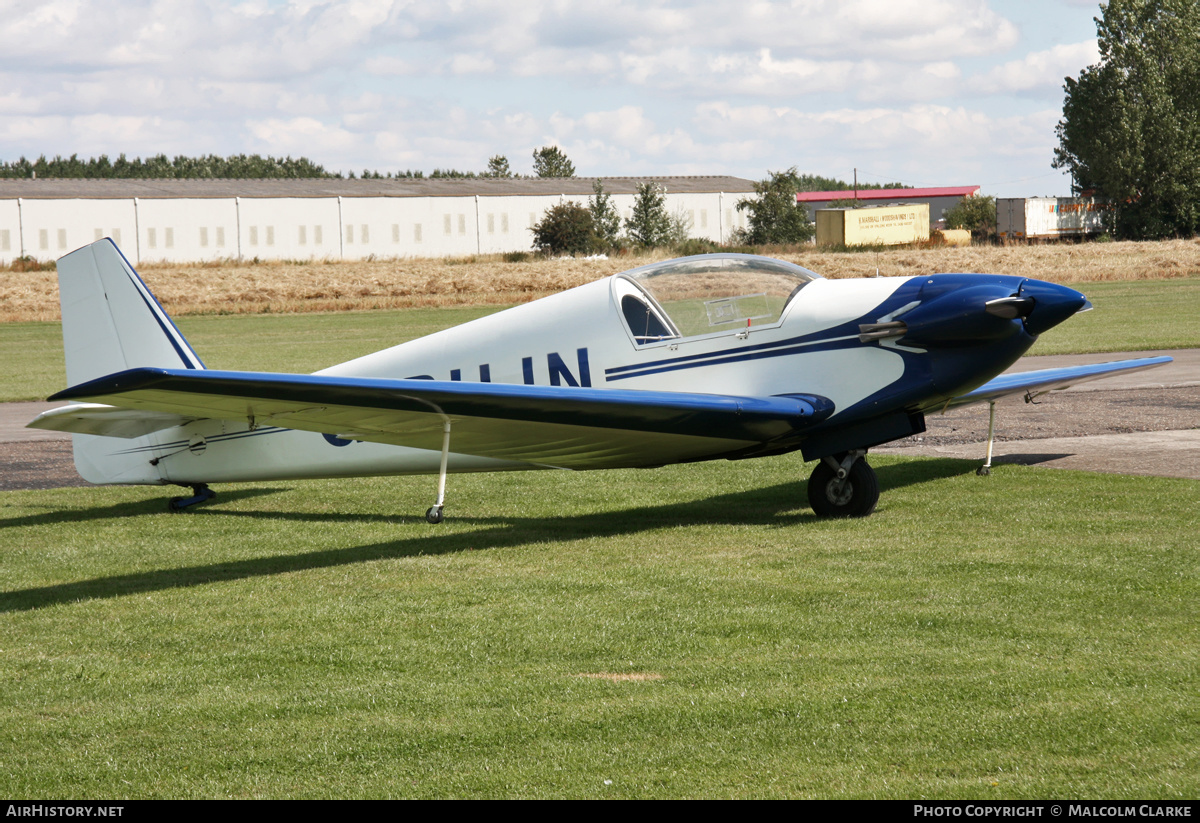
(716, 356)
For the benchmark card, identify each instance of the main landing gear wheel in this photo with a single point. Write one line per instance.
(853, 495)
(200, 493)
(434, 514)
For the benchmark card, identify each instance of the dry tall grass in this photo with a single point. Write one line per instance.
(280, 287)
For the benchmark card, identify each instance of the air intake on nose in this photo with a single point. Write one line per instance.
(881, 331)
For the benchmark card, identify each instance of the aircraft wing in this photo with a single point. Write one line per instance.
(570, 427)
(1044, 380)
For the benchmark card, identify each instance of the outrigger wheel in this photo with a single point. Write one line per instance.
(434, 514)
(843, 485)
(200, 493)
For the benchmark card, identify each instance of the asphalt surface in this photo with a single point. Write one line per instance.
(1144, 423)
(1147, 422)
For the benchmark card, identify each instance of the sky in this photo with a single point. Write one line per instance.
(921, 92)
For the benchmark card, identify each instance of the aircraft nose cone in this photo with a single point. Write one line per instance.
(1052, 304)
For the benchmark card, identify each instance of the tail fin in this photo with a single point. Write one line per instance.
(111, 321)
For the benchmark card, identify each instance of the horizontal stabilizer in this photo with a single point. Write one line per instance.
(107, 421)
(1045, 380)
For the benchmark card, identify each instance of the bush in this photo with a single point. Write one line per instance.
(696, 245)
(28, 263)
(976, 214)
(567, 228)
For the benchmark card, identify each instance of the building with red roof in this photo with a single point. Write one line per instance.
(940, 199)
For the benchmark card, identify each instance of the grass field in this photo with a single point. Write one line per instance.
(691, 631)
(688, 631)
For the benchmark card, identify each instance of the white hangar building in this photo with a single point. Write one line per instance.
(197, 220)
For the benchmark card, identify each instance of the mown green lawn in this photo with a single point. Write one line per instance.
(1134, 315)
(686, 631)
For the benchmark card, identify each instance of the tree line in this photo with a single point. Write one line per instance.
(160, 167)
(548, 161)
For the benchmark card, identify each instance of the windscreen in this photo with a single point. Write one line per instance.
(717, 292)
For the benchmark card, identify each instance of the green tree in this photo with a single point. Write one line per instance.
(977, 214)
(774, 216)
(549, 161)
(498, 167)
(649, 225)
(1130, 129)
(565, 229)
(605, 218)
(815, 182)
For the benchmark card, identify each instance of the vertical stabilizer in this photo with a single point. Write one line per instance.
(112, 322)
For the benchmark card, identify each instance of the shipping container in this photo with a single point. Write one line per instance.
(1044, 218)
(878, 226)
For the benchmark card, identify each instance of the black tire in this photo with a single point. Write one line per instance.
(855, 498)
(434, 515)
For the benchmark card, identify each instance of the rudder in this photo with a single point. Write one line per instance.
(111, 322)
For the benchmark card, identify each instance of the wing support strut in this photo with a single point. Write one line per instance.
(434, 513)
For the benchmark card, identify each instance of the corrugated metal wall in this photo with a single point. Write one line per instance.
(300, 228)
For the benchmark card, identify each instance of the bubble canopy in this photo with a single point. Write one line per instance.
(707, 294)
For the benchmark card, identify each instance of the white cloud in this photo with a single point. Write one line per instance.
(391, 65)
(627, 126)
(1043, 70)
(260, 40)
(921, 144)
(866, 80)
(206, 37)
(625, 86)
(472, 64)
(915, 30)
(305, 136)
(96, 134)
